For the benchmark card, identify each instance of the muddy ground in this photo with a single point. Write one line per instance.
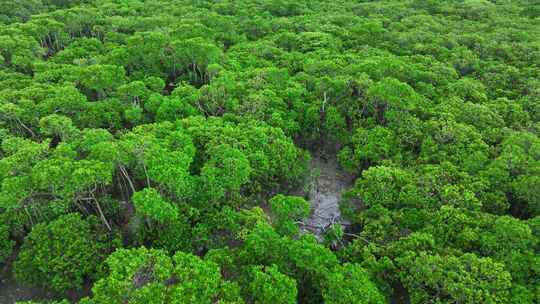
(327, 183)
(11, 292)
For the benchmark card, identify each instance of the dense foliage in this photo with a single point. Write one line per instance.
(59, 255)
(157, 150)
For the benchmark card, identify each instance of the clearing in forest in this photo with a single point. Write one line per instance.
(327, 183)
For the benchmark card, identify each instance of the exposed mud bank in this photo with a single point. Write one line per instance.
(326, 184)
